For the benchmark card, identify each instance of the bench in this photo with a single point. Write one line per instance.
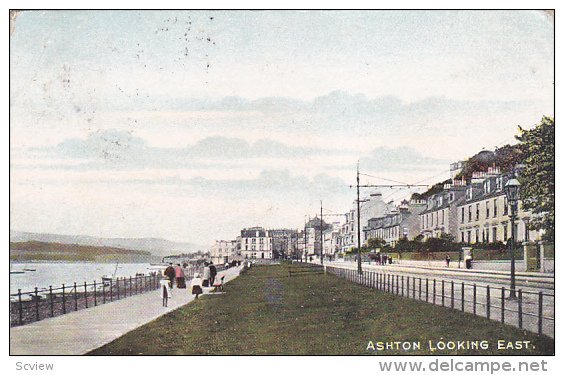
(219, 284)
(305, 269)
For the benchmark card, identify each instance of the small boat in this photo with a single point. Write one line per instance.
(29, 269)
(108, 279)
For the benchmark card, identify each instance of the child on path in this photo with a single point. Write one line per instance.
(197, 285)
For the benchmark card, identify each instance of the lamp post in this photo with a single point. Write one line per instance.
(512, 192)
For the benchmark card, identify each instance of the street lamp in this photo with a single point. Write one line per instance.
(511, 190)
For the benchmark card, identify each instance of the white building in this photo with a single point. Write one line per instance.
(225, 251)
(370, 207)
(256, 243)
(484, 212)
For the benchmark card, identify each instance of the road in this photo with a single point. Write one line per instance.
(446, 281)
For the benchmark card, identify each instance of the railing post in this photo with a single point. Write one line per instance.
(462, 296)
(75, 298)
(474, 303)
(520, 303)
(111, 290)
(402, 284)
(488, 301)
(540, 312)
(419, 289)
(434, 290)
(503, 304)
(443, 292)
(36, 304)
(51, 301)
(20, 306)
(452, 295)
(130, 285)
(95, 291)
(85, 295)
(136, 287)
(103, 292)
(397, 284)
(393, 281)
(427, 289)
(117, 287)
(64, 301)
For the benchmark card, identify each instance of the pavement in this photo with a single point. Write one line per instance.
(531, 285)
(524, 279)
(82, 331)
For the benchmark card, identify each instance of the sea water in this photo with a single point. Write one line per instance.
(57, 273)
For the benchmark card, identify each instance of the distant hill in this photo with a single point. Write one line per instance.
(36, 250)
(156, 246)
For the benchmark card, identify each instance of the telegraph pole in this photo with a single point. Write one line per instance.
(358, 186)
(305, 240)
(358, 217)
(321, 232)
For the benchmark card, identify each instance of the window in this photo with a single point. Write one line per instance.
(504, 232)
(494, 234)
(477, 235)
(254, 240)
(462, 215)
(461, 236)
(443, 217)
(487, 235)
(487, 209)
(470, 213)
(505, 207)
(477, 211)
(469, 235)
(495, 208)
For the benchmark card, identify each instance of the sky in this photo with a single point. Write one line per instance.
(191, 125)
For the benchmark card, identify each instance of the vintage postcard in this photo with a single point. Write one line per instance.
(283, 182)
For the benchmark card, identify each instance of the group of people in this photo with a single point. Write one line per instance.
(382, 259)
(174, 275)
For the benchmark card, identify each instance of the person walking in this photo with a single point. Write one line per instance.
(165, 291)
(196, 285)
(180, 277)
(447, 260)
(213, 273)
(206, 278)
(170, 274)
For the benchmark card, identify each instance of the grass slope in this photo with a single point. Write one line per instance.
(267, 312)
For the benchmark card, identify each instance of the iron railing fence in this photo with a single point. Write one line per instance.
(41, 303)
(529, 310)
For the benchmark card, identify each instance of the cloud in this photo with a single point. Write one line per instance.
(269, 183)
(121, 149)
(388, 159)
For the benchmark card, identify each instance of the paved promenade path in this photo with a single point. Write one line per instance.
(81, 331)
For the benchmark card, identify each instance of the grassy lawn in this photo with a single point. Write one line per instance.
(264, 311)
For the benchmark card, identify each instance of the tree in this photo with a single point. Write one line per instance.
(537, 177)
(375, 243)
